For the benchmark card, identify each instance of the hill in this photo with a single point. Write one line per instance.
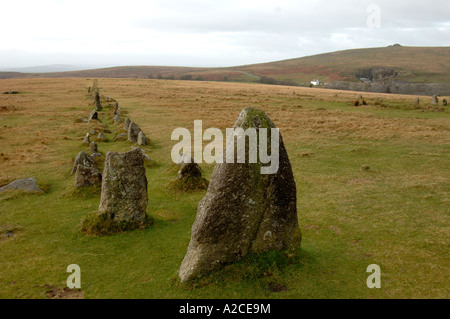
(399, 63)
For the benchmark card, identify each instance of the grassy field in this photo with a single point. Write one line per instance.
(372, 181)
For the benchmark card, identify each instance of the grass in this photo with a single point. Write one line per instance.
(394, 214)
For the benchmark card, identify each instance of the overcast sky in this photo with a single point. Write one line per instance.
(209, 33)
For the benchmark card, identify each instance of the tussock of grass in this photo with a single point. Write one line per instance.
(265, 268)
(97, 224)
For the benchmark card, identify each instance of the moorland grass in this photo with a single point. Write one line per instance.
(395, 214)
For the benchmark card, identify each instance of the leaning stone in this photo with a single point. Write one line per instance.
(24, 184)
(84, 160)
(141, 139)
(87, 176)
(93, 115)
(86, 139)
(126, 123)
(124, 187)
(243, 212)
(93, 148)
(133, 132)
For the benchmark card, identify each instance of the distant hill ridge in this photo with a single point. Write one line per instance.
(385, 68)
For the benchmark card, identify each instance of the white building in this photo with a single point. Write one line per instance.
(315, 82)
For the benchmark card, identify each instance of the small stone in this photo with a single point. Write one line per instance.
(24, 184)
(141, 139)
(101, 137)
(93, 148)
(133, 132)
(126, 123)
(86, 139)
(444, 102)
(435, 100)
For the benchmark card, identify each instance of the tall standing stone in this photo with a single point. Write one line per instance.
(243, 211)
(444, 102)
(97, 103)
(124, 187)
(133, 132)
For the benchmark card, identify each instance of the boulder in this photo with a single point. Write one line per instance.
(244, 211)
(133, 132)
(141, 139)
(87, 176)
(24, 184)
(124, 187)
(84, 160)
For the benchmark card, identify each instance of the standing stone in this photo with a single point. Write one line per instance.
(416, 101)
(87, 176)
(141, 139)
(124, 187)
(434, 100)
(133, 132)
(93, 115)
(97, 103)
(86, 139)
(116, 106)
(84, 160)
(93, 148)
(126, 123)
(243, 211)
(444, 102)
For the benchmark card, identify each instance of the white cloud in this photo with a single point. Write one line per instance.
(207, 33)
